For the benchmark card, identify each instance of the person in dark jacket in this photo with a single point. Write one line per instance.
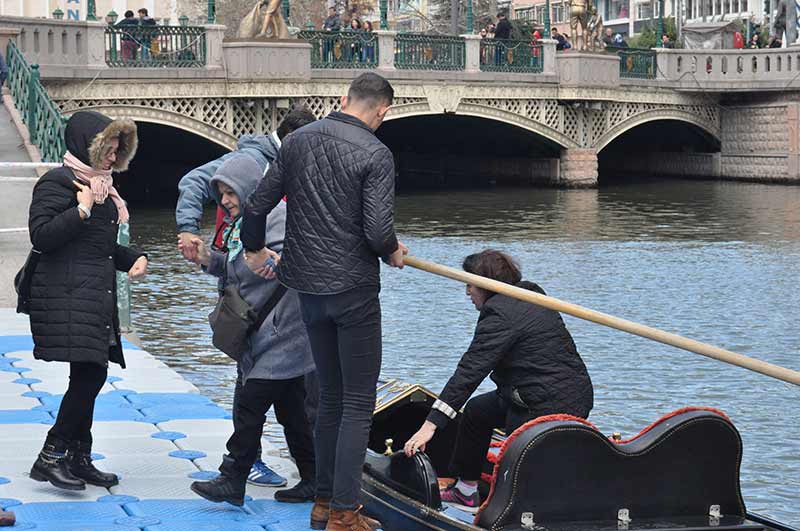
(338, 179)
(146, 33)
(274, 367)
(531, 357)
(127, 25)
(502, 31)
(74, 216)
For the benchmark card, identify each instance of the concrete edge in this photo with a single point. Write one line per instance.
(33, 151)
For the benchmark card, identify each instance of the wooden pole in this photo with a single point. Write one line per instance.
(775, 371)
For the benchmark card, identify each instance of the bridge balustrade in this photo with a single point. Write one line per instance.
(499, 55)
(417, 51)
(636, 63)
(342, 49)
(155, 46)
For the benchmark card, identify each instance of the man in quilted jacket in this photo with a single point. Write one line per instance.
(338, 180)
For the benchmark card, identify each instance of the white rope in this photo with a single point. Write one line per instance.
(7, 165)
(15, 229)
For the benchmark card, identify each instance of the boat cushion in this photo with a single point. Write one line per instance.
(561, 468)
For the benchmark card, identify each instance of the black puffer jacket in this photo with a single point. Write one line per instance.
(73, 291)
(339, 182)
(525, 347)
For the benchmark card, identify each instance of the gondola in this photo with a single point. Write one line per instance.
(560, 473)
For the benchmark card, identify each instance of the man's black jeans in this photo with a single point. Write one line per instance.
(74, 420)
(345, 335)
(253, 402)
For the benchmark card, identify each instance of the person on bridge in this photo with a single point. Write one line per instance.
(279, 356)
(128, 36)
(74, 216)
(531, 357)
(196, 190)
(339, 181)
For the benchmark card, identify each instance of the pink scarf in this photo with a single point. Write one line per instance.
(101, 183)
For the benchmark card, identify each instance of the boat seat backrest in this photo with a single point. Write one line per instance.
(562, 468)
(414, 477)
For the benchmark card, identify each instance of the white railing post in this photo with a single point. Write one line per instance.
(472, 53)
(386, 49)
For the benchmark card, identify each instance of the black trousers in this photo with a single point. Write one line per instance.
(74, 420)
(254, 400)
(345, 335)
(482, 414)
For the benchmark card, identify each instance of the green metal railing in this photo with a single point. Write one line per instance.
(41, 116)
(416, 51)
(511, 56)
(155, 46)
(342, 49)
(635, 63)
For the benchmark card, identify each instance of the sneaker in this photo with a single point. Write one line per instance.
(264, 476)
(455, 498)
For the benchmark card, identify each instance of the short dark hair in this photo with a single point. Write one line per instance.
(372, 89)
(296, 119)
(143, 10)
(128, 14)
(493, 264)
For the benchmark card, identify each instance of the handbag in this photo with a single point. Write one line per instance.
(22, 281)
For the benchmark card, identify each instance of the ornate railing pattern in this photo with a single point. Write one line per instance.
(511, 56)
(155, 46)
(636, 63)
(415, 51)
(342, 49)
(42, 117)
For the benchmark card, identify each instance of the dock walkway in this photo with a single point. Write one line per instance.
(151, 427)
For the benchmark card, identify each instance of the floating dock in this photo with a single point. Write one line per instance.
(151, 427)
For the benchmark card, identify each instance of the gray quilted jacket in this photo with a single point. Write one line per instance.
(338, 179)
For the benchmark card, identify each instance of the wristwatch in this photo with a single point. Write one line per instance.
(85, 210)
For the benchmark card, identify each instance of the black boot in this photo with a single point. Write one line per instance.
(79, 459)
(302, 492)
(228, 487)
(51, 465)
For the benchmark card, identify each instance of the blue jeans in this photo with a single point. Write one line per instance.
(345, 335)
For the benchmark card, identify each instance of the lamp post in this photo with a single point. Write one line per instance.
(384, 15)
(58, 14)
(90, 11)
(470, 23)
(660, 25)
(212, 12)
(546, 19)
(111, 17)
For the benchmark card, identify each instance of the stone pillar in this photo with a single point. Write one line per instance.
(793, 133)
(549, 50)
(716, 165)
(7, 34)
(385, 49)
(578, 168)
(214, 35)
(472, 49)
(96, 44)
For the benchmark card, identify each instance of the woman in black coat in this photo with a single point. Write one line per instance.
(74, 217)
(531, 357)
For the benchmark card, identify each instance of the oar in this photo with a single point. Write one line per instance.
(775, 371)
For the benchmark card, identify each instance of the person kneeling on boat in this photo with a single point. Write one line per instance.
(274, 368)
(531, 357)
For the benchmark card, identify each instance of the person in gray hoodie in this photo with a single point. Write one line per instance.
(279, 357)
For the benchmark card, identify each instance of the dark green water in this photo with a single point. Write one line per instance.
(717, 262)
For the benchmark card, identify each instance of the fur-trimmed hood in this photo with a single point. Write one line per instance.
(88, 134)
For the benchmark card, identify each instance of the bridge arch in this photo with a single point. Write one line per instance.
(696, 119)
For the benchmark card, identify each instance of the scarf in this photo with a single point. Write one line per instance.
(101, 183)
(230, 235)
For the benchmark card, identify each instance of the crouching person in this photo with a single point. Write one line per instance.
(279, 355)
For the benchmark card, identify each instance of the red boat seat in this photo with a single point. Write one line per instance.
(562, 469)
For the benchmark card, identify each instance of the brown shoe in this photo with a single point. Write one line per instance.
(320, 513)
(351, 521)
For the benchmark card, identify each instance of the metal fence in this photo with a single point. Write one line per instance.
(155, 46)
(342, 49)
(636, 63)
(41, 116)
(415, 51)
(511, 56)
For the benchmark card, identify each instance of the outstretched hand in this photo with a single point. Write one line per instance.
(419, 440)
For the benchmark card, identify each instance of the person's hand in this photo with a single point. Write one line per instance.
(84, 195)
(185, 246)
(418, 441)
(396, 258)
(139, 268)
(263, 263)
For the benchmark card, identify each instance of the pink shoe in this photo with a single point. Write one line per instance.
(454, 497)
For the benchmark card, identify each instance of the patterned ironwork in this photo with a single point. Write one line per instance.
(511, 56)
(416, 51)
(636, 63)
(156, 46)
(345, 49)
(41, 116)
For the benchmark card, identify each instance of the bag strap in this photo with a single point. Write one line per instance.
(271, 303)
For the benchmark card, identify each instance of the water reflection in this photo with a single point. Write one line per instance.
(717, 262)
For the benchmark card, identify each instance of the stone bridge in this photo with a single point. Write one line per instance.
(578, 102)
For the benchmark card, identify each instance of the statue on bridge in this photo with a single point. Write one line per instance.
(265, 20)
(584, 17)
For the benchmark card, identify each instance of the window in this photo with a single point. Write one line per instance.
(617, 9)
(644, 10)
(540, 13)
(558, 13)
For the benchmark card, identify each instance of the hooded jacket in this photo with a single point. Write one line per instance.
(279, 350)
(73, 306)
(195, 189)
(526, 348)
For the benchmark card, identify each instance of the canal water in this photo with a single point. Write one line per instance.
(718, 262)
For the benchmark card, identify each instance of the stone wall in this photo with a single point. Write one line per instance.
(578, 168)
(667, 164)
(433, 170)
